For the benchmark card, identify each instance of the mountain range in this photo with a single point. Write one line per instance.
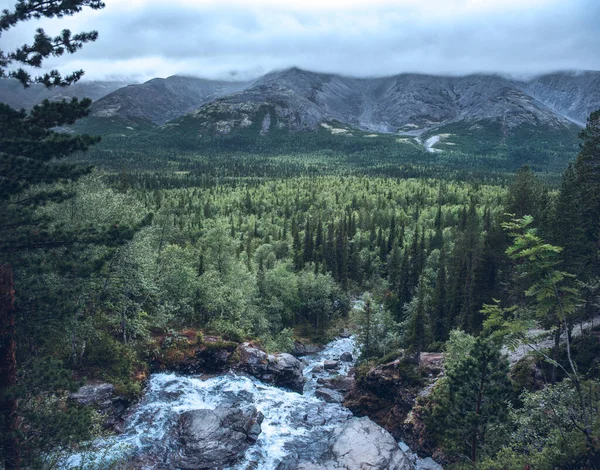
(414, 105)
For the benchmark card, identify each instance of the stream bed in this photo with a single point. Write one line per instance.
(296, 427)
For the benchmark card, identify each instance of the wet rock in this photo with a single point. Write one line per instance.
(340, 383)
(282, 369)
(346, 357)
(345, 333)
(388, 394)
(318, 368)
(102, 397)
(215, 439)
(329, 395)
(331, 365)
(304, 349)
(428, 464)
(214, 359)
(362, 444)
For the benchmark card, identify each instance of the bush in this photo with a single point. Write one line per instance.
(227, 330)
(111, 361)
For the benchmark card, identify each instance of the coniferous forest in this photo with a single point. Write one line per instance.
(129, 256)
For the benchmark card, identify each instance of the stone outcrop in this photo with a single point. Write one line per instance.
(215, 439)
(340, 383)
(282, 369)
(387, 394)
(346, 357)
(329, 395)
(362, 444)
(304, 349)
(213, 355)
(103, 397)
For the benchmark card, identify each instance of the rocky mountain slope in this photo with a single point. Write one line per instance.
(13, 93)
(573, 94)
(162, 99)
(408, 103)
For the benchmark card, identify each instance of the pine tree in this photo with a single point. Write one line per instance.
(478, 387)
(308, 243)
(440, 302)
(524, 195)
(417, 329)
(568, 228)
(366, 321)
(297, 249)
(319, 242)
(330, 252)
(342, 256)
(30, 151)
(587, 167)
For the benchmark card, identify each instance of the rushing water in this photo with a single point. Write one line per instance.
(294, 425)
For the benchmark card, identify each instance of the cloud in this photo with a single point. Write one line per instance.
(216, 39)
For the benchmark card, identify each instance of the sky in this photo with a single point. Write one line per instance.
(243, 39)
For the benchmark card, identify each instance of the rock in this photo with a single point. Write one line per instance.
(340, 383)
(102, 397)
(94, 394)
(304, 349)
(215, 439)
(345, 334)
(428, 464)
(331, 365)
(362, 444)
(282, 369)
(252, 358)
(317, 368)
(388, 394)
(329, 395)
(346, 357)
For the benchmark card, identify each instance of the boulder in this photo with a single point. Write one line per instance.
(317, 368)
(345, 333)
(102, 397)
(215, 439)
(214, 359)
(346, 357)
(340, 383)
(283, 369)
(362, 444)
(304, 349)
(331, 365)
(428, 464)
(329, 395)
(388, 394)
(98, 394)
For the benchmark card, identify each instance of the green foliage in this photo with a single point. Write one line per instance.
(378, 332)
(553, 290)
(540, 433)
(472, 398)
(44, 46)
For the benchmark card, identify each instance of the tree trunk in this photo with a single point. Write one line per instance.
(555, 353)
(8, 372)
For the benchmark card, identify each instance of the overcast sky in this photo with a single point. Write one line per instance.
(142, 39)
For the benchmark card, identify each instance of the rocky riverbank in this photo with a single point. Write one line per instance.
(387, 393)
(240, 419)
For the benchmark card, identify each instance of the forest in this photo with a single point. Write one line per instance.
(105, 273)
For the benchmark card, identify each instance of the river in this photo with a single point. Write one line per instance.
(296, 426)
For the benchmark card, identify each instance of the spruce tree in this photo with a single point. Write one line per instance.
(478, 387)
(30, 154)
(587, 167)
(439, 314)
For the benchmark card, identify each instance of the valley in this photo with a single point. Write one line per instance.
(384, 259)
